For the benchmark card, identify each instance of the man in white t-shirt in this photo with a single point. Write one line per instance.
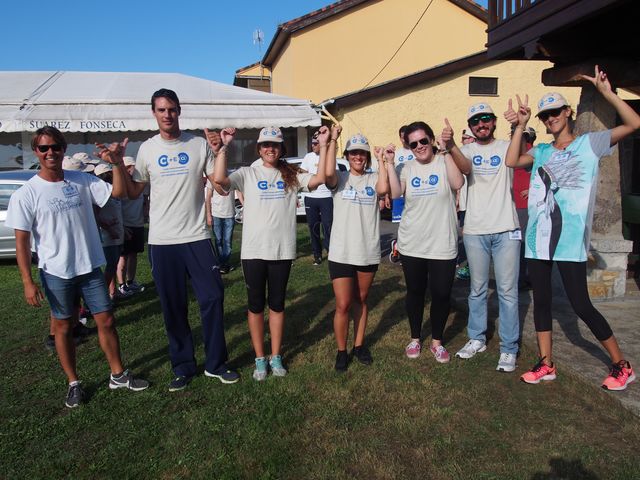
(491, 231)
(173, 164)
(318, 205)
(56, 207)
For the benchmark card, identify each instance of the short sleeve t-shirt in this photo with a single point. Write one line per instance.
(562, 195)
(269, 213)
(355, 232)
(428, 228)
(222, 206)
(403, 155)
(490, 207)
(310, 164)
(133, 212)
(175, 168)
(60, 217)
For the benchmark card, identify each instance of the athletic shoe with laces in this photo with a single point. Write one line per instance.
(75, 396)
(123, 291)
(224, 374)
(260, 372)
(342, 361)
(135, 287)
(127, 380)
(413, 349)
(363, 355)
(317, 261)
(620, 375)
(277, 369)
(440, 353)
(179, 383)
(463, 273)
(540, 371)
(471, 348)
(507, 362)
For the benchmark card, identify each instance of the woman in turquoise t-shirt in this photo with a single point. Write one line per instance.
(562, 194)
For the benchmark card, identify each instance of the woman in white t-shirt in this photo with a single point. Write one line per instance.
(428, 234)
(561, 204)
(268, 234)
(354, 250)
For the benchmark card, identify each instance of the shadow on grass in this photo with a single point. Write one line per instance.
(565, 469)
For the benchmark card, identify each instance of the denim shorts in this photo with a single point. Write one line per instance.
(63, 292)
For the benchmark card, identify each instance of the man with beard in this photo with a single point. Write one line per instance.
(491, 231)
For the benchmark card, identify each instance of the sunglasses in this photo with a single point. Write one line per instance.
(422, 141)
(56, 147)
(550, 113)
(486, 118)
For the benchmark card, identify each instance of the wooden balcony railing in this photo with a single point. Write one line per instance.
(502, 10)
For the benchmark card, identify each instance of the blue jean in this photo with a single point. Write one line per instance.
(319, 213)
(223, 235)
(62, 293)
(506, 254)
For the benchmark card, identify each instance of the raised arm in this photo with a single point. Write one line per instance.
(516, 158)
(396, 188)
(630, 119)
(385, 156)
(462, 162)
(331, 179)
(453, 172)
(32, 293)
(324, 136)
(220, 166)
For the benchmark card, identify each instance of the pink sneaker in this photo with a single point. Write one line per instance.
(440, 353)
(413, 349)
(620, 375)
(540, 371)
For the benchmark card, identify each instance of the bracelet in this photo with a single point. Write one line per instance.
(333, 140)
(444, 152)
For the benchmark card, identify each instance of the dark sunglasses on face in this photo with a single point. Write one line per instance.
(486, 118)
(56, 147)
(544, 116)
(422, 141)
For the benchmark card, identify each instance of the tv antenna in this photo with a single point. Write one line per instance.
(258, 37)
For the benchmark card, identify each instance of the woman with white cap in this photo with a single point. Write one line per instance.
(428, 233)
(268, 234)
(561, 200)
(354, 251)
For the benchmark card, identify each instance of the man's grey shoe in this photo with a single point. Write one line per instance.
(507, 362)
(471, 348)
(75, 396)
(127, 380)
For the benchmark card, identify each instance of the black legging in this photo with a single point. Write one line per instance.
(438, 276)
(260, 274)
(574, 279)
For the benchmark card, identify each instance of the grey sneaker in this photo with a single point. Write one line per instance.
(260, 372)
(507, 362)
(135, 287)
(277, 369)
(127, 380)
(471, 348)
(75, 396)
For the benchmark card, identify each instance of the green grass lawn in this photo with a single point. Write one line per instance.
(399, 418)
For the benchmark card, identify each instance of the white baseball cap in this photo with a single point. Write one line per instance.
(551, 101)
(270, 134)
(102, 168)
(128, 161)
(358, 142)
(479, 109)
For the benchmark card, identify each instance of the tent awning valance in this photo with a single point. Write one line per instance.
(110, 102)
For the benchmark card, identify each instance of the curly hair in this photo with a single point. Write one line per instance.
(289, 174)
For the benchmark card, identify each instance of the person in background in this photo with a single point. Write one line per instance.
(354, 253)
(268, 234)
(561, 205)
(133, 219)
(318, 205)
(462, 265)
(403, 154)
(56, 207)
(221, 211)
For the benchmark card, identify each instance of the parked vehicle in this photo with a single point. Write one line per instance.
(10, 181)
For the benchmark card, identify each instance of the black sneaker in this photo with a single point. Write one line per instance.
(50, 343)
(179, 383)
(127, 380)
(342, 361)
(317, 260)
(224, 374)
(363, 355)
(80, 333)
(75, 396)
(224, 269)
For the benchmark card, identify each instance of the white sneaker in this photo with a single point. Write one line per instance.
(471, 348)
(507, 362)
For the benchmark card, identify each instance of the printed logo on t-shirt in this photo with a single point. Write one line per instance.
(423, 187)
(402, 158)
(486, 166)
(57, 205)
(174, 165)
(70, 190)
(271, 190)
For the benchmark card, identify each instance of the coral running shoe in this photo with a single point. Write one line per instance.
(413, 349)
(540, 371)
(620, 375)
(440, 353)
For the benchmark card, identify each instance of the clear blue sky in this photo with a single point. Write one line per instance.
(209, 39)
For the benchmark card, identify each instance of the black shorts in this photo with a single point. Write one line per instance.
(261, 276)
(346, 270)
(136, 243)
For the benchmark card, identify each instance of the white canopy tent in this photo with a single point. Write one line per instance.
(121, 102)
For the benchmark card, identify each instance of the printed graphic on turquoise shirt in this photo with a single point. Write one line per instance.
(559, 199)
